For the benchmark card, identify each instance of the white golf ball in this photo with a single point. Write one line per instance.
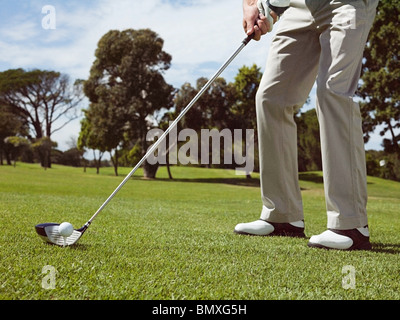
(65, 229)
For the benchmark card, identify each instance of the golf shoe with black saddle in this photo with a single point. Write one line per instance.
(265, 228)
(354, 239)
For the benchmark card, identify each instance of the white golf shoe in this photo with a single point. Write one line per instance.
(265, 228)
(354, 239)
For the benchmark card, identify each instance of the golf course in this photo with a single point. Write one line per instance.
(168, 239)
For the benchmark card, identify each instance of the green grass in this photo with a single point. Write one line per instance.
(162, 239)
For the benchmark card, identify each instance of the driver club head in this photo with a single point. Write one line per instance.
(49, 233)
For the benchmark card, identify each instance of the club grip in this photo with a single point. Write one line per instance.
(249, 38)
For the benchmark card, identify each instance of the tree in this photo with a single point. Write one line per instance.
(216, 103)
(380, 87)
(10, 125)
(88, 138)
(211, 111)
(383, 165)
(308, 141)
(16, 146)
(73, 156)
(223, 106)
(43, 147)
(244, 114)
(125, 87)
(45, 98)
(194, 118)
(246, 85)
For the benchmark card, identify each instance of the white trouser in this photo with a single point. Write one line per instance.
(323, 41)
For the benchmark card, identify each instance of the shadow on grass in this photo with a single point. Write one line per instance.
(80, 247)
(391, 248)
(312, 177)
(76, 246)
(252, 182)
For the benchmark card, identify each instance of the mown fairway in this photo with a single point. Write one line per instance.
(165, 239)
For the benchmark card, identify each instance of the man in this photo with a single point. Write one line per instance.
(322, 41)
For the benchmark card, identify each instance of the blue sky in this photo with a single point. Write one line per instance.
(199, 34)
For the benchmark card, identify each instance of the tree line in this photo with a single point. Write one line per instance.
(128, 96)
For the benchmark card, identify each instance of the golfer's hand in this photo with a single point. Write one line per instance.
(253, 21)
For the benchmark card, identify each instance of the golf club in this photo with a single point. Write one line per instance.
(49, 231)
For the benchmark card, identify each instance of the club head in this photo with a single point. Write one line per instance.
(49, 233)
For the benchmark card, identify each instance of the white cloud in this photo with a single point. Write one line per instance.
(194, 34)
(20, 31)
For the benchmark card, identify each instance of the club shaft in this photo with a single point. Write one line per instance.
(171, 127)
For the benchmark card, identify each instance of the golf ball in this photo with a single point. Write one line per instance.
(65, 229)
